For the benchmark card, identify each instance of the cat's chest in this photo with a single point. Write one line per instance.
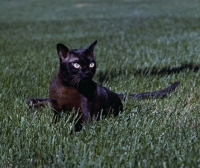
(66, 97)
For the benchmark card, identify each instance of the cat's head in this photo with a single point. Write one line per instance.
(77, 65)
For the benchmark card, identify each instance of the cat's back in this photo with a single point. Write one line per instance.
(106, 100)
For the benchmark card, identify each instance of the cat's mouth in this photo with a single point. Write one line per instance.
(80, 81)
(85, 80)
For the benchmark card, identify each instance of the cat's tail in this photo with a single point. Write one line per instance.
(155, 94)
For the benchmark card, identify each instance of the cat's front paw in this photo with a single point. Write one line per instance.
(31, 102)
(38, 102)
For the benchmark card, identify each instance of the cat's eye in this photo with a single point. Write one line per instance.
(92, 65)
(76, 65)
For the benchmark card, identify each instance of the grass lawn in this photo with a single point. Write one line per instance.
(143, 45)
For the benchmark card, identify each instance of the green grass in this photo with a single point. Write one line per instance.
(142, 46)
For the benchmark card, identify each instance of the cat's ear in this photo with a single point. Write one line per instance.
(90, 48)
(62, 51)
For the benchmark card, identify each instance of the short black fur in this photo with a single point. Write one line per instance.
(73, 87)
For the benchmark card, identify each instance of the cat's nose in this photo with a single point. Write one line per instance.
(87, 72)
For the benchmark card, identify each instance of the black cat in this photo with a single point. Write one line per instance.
(73, 87)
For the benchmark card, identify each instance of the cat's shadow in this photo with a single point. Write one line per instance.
(102, 76)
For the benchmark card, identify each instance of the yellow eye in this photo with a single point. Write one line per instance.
(76, 65)
(92, 65)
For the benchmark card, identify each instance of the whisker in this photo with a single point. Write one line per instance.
(75, 81)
